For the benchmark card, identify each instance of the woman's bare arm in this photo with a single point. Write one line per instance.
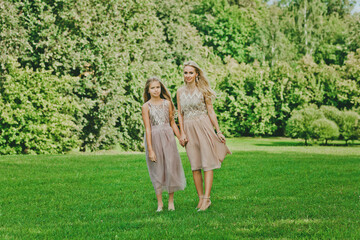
(213, 118)
(183, 139)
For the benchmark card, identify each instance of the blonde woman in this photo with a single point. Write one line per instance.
(162, 156)
(205, 149)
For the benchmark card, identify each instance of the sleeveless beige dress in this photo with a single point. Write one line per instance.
(167, 174)
(204, 148)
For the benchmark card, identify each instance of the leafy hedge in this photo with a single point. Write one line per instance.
(36, 112)
(96, 55)
(326, 123)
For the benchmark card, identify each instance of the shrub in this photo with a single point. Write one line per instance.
(324, 129)
(299, 124)
(351, 127)
(36, 112)
(333, 114)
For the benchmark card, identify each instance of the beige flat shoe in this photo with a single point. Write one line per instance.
(159, 209)
(171, 207)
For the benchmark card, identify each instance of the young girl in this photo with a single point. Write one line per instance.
(162, 156)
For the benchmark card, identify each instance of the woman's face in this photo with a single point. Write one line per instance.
(189, 74)
(154, 89)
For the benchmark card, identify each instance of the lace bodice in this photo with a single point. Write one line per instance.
(192, 104)
(159, 114)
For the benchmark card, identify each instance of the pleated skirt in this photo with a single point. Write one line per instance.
(204, 149)
(167, 173)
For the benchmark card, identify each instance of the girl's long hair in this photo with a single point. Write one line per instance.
(165, 94)
(202, 82)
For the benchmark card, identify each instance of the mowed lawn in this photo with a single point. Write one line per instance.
(272, 188)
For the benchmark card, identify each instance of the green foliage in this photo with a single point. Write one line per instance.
(349, 88)
(13, 37)
(264, 61)
(333, 114)
(351, 127)
(114, 47)
(36, 112)
(333, 44)
(324, 129)
(328, 123)
(324, 29)
(300, 122)
(223, 27)
(246, 105)
(354, 32)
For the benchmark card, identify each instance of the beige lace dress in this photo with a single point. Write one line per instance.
(167, 172)
(204, 148)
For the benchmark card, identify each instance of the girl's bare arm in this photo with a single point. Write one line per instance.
(172, 122)
(146, 119)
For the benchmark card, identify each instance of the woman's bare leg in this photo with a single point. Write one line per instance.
(208, 178)
(199, 185)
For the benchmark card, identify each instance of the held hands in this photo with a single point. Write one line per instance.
(152, 156)
(183, 140)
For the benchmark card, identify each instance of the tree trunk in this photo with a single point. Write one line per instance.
(83, 147)
(305, 29)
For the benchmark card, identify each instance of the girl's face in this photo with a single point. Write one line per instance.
(189, 74)
(155, 89)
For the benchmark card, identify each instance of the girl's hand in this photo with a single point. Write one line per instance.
(221, 137)
(152, 156)
(183, 140)
(180, 141)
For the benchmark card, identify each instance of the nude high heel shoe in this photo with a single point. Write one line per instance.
(205, 204)
(200, 197)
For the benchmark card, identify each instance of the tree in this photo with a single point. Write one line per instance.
(305, 23)
(223, 27)
(351, 127)
(333, 114)
(268, 43)
(36, 112)
(13, 36)
(324, 129)
(349, 87)
(299, 124)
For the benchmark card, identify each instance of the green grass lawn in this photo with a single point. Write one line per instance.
(268, 188)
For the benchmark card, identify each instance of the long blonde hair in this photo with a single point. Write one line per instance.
(165, 94)
(201, 83)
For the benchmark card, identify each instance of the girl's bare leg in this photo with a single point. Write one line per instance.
(160, 202)
(171, 206)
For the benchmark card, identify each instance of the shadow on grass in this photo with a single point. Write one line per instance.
(294, 144)
(284, 144)
(340, 145)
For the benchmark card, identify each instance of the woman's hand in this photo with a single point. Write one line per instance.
(152, 156)
(221, 137)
